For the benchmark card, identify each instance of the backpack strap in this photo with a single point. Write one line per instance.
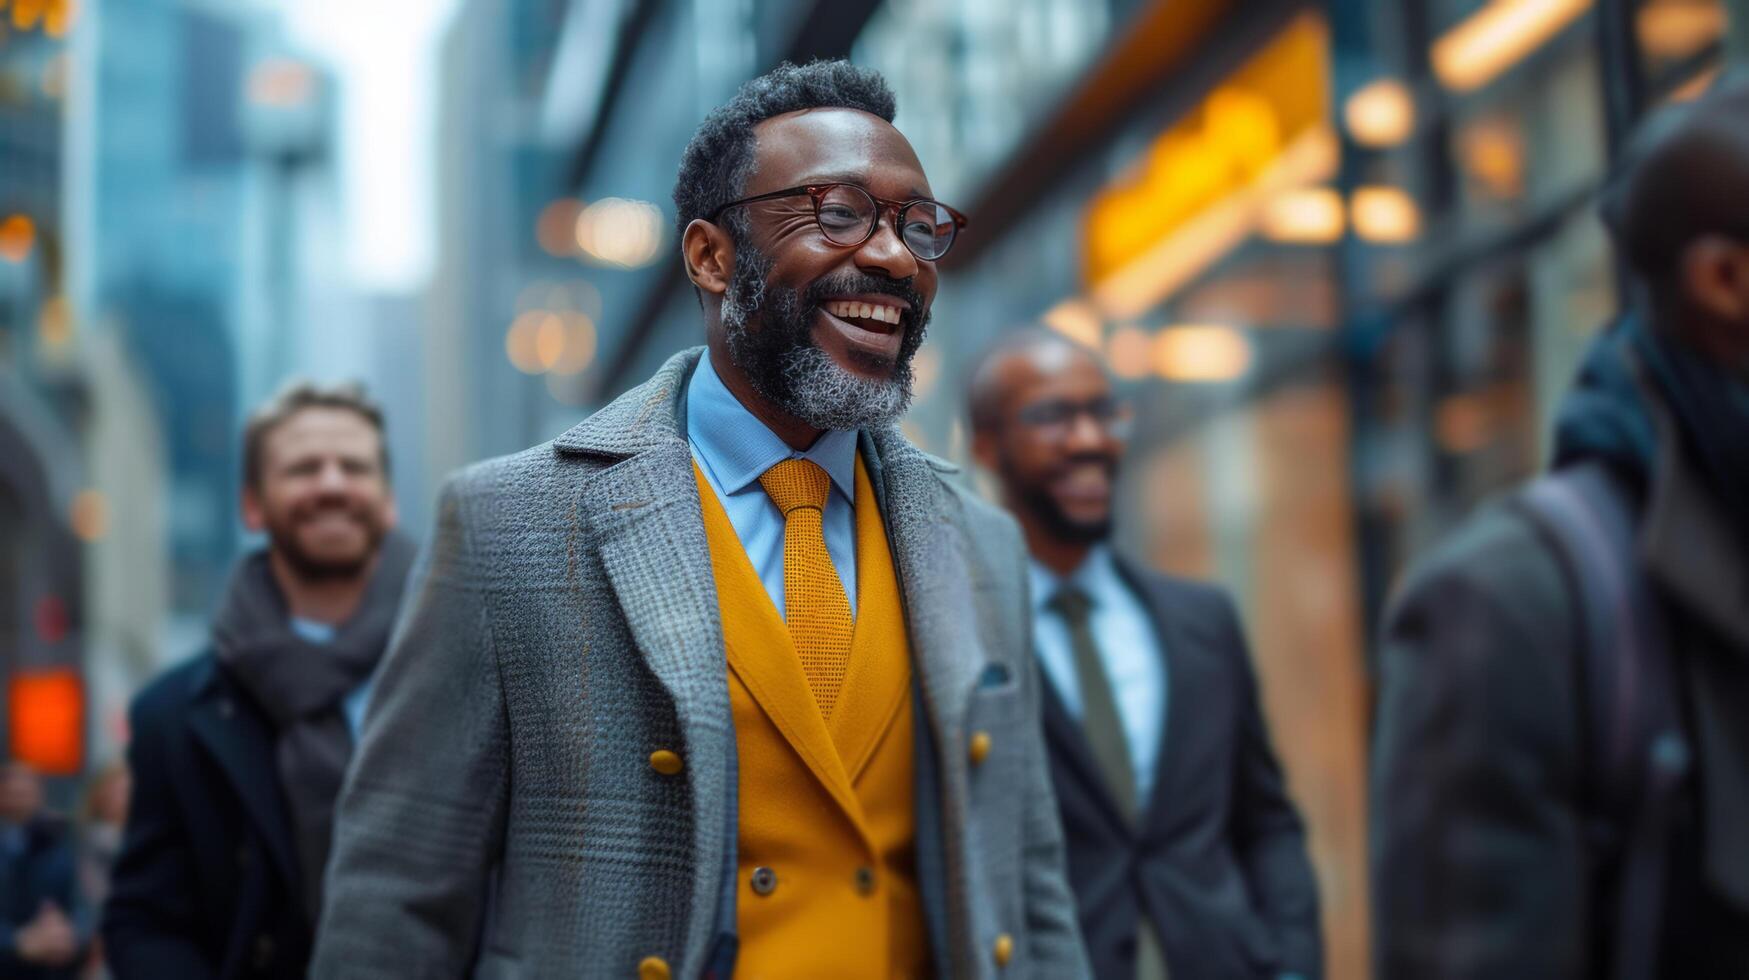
(1635, 753)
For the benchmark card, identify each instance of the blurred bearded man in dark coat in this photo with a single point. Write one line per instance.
(1501, 845)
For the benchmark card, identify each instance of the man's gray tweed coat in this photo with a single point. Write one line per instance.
(501, 815)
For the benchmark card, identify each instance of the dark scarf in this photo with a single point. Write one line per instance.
(300, 685)
(1607, 415)
(1632, 378)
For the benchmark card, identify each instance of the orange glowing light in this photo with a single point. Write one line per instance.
(1671, 30)
(555, 229)
(27, 13)
(17, 238)
(58, 19)
(1195, 195)
(1386, 215)
(1380, 114)
(1308, 216)
(89, 515)
(1129, 351)
(577, 346)
(1493, 39)
(47, 711)
(54, 326)
(1077, 320)
(521, 342)
(621, 233)
(1201, 353)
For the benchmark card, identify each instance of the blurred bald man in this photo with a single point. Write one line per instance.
(1561, 779)
(1185, 854)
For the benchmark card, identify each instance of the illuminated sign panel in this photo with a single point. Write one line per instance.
(1274, 110)
(47, 713)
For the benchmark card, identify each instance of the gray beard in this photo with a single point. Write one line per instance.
(802, 379)
(826, 396)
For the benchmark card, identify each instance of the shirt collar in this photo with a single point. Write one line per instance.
(1094, 576)
(736, 447)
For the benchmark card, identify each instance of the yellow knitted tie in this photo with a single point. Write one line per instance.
(815, 608)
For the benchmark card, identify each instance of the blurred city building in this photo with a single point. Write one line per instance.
(149, 160)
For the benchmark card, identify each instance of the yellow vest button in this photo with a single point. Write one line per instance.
(980, 747)
(1004, 949)
(764, 881)
(653, 968)
(865, 881)
(665, 762)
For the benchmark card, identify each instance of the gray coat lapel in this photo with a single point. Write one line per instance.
(937, 588)
(936, 582)
(642, 516)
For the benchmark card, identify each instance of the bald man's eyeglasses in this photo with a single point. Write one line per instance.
(848, 216)
(1054, 420)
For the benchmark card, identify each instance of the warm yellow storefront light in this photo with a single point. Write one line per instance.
(1200, 353)
(1305, 216)
(1130, 352)
(577, 349)
(1380, 114)
(1674, 29)
(1077, 320)
(551, 342)
(617, 232)
(89, 515)
(556, 227)
(1500, 35)
(1386, 215)
(521, 343)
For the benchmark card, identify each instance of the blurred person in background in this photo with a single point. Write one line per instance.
(102, 815)
(1185, 853)
(237, 756)
(1561, 772)
(40, 937)
(729, 666)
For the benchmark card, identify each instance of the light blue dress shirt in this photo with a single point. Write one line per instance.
(352, 706)
(734, 448)
(1130, 649)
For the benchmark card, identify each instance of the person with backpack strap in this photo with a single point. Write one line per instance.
(1560, 778)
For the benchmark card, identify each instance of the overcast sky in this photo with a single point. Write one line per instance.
(385, 55)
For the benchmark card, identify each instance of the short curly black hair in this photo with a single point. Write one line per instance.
(719, 160)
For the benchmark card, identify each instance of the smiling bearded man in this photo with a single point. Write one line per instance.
(238, 755)
(729, 678)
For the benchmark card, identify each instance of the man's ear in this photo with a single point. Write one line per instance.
(1715, 275)
(984, 448)
(709, 255)
(254, 518)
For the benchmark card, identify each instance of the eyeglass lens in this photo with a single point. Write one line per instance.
(847, 216)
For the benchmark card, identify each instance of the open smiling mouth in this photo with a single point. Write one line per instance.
(875, 325)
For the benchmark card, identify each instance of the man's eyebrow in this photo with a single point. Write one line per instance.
(861, 180)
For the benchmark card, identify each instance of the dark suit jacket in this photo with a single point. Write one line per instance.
(1218, 862)
(42, 872)
(206, 884)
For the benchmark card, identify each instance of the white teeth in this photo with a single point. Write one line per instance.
(864, 311)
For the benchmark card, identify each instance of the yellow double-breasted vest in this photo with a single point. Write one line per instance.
(827, 884)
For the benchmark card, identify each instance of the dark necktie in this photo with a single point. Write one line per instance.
(1100, 721)
(1103, 727)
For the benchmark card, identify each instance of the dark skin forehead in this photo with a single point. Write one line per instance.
(836, 146)
(1035, 369)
